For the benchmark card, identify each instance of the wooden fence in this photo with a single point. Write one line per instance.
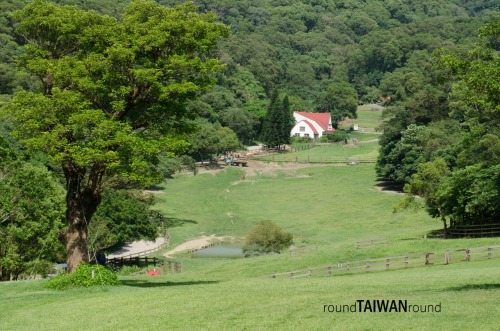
(159, 263)
(310, 159)
(134, 261)
(474, 231)
(396, 262)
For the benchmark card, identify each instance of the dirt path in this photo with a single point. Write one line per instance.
(192, 245)
(137, 247)
(268, 168)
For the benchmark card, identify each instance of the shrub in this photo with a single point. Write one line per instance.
(127, 270)
(339, 136)
(266, 237)
(82, 277)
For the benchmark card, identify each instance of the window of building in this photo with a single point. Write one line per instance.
(302, 128)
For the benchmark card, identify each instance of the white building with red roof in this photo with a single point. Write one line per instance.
(311, 125)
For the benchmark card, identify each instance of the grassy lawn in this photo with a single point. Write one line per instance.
(327, 209)
(468, 294)
(368, 116)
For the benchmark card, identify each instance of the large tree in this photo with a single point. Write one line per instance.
(340, 100)
(278, 122)
(114, 95)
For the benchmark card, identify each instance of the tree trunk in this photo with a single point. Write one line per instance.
(445, 227)
(83, 196)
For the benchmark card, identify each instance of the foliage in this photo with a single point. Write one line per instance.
(340, 100)
(167, 166)
(244, 124)
(31, 216)
(404, 158)
(212, 139)
(114, 95)
(338, 136)
(461, 180)
(471, 195)
(128, 270)
(123, 216)
(266, 237)
(278, 122)
(85, 275)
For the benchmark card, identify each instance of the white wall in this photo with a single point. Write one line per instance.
(308, 130)
(299, 118)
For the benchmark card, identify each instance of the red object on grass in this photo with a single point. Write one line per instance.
(152, 272)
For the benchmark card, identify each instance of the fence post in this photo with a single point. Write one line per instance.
(310, 272)
(467, 254)
(146, 259)
(274, 275)
(427, 258)
(387, 263)
(367, 265)
(489, 252)
(291, 274)
(329, 270)
(347, 268)
(406, 261)
(446, 257)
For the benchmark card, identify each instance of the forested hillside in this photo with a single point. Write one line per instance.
(308, 50)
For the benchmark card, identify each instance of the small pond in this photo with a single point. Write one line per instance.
(228, 251)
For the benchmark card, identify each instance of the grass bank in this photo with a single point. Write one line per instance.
(467, 294)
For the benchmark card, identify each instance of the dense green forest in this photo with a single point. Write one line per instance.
(434, 63)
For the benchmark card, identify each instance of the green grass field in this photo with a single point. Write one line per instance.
(328, 209)
(368, 116)
(467, 293)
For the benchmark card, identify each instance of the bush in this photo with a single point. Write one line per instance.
(339, 136)
(82, 277)
(266, 237)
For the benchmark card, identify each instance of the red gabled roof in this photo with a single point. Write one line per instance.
(311, 126)
(323, 119)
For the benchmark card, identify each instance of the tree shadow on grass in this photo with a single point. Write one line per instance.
(155, 188)
(171, 222)
(470, 287)
(389, 185)
(146, 284)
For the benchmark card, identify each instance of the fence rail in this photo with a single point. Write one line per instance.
(396, 262)
(135, 261)
(120, 262)
(310, 159)
(149, 251)
(476, 230)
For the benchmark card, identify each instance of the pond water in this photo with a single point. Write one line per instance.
(229, 251)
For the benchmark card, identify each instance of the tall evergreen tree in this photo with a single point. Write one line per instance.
(271, 128)
(288, 120)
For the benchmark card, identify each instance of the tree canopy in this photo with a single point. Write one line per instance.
(457, 173)
(114, 95)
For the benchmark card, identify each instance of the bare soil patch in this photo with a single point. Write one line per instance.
(268, 168)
